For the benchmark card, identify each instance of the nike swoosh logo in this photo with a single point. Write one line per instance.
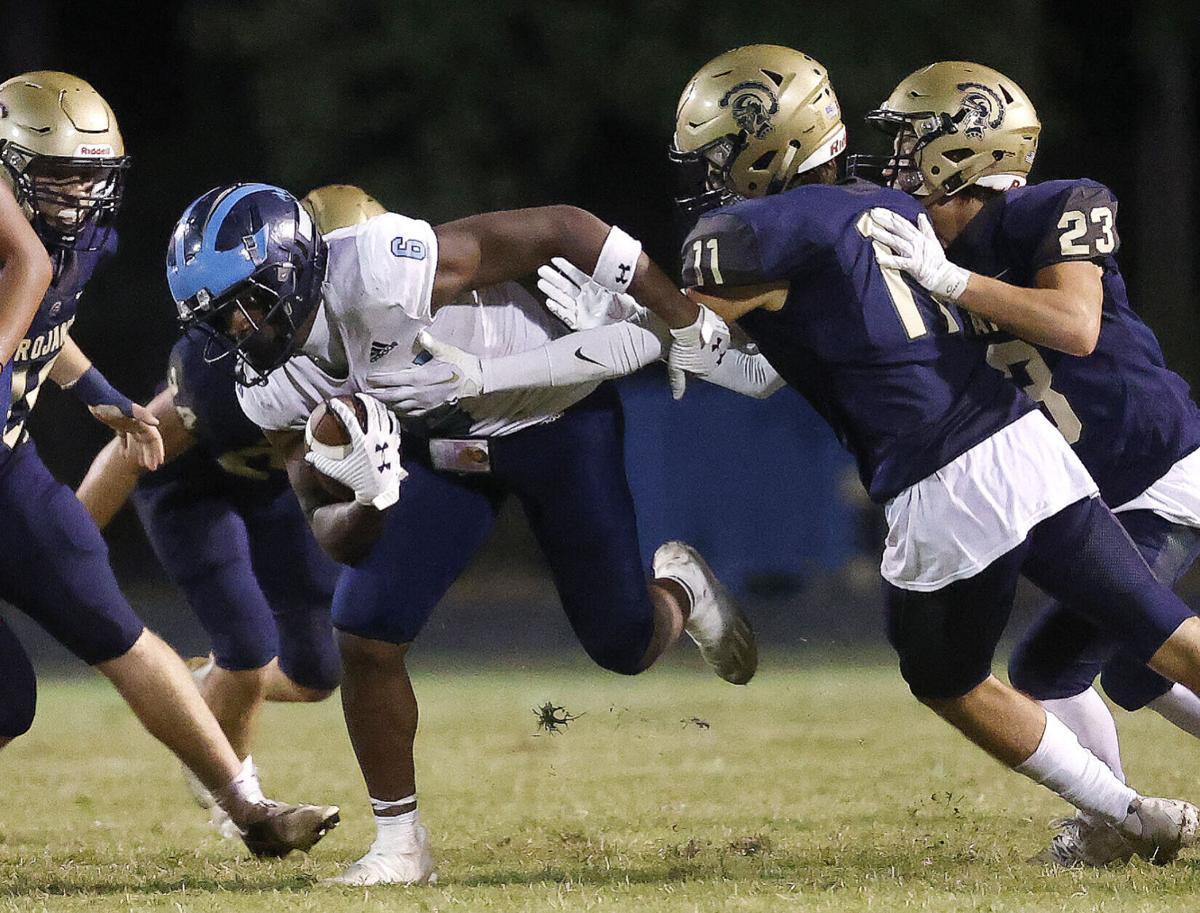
(579, 354)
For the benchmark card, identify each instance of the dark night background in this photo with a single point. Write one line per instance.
(442, 109)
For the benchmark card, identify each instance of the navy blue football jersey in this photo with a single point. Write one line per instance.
(891, 370)
(51, 325)
(1127, 415)
(231, 449)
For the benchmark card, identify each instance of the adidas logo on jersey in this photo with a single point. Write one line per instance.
(380, 349)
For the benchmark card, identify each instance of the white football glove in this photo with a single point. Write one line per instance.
(413, 392)
(372, 467)
(466, 366)
(580, 301)
(916, 251)
(696, 349)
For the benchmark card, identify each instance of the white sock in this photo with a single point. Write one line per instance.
(395, 830)
(242, 792)
(1061, 764)
(1089, 718)
(1181, 707)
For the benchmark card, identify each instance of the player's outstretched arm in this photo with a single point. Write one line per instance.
(74, 371)
(345, 530)
(115, 471)
(1062, 310)
(25, 277)
(497, 247)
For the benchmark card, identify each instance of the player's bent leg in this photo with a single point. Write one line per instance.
(159, 689)
(1059, 657)
(202, 542)
(55, 564)
(381, 717)
(379, 607)
(946, 640)
(18, 688)
(570, 478)
(1170, 549)
(298, 581)
(1085, 558)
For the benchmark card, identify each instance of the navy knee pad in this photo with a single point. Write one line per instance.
(1060, 655)
(619, 647)
(307, 652)
(1130, 684)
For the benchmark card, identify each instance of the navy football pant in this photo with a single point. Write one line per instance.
(569, 476)
(1081, 556)
(253, 574)
(1063, 651)
(18, 687)
(54, 563)
(54, 568)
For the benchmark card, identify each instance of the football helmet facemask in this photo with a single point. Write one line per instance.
(245, 265)
(953, 124)
(64, 157)
(749, 121)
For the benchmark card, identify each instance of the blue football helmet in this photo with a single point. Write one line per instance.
(245, 266)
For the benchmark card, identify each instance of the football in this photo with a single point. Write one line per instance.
(327, 435)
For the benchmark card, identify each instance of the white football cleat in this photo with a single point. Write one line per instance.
(1085, 843)
(1157, 829)
(716, 624)
(407, 862)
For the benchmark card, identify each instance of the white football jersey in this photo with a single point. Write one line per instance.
(375, 300)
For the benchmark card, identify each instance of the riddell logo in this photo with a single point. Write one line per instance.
(101, 150)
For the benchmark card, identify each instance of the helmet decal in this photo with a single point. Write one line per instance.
(752, 105)
(981, 108)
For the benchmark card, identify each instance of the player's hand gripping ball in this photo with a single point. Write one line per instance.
(354, 443)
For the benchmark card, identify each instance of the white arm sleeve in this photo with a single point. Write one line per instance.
(747, 373)
(616, 350)
(745, 370)
(600, 353)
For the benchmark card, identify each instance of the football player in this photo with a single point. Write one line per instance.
(1033, 268)
(977, 484)
(227, 527)
(312, 317)
(64, 161)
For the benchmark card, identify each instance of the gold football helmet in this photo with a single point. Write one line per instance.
(63, 154)
(751, 120)
(339, 206)
(956, 124)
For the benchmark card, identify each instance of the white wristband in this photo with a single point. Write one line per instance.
(618, 261)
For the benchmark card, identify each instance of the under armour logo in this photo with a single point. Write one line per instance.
(381, 450)
(622, 271)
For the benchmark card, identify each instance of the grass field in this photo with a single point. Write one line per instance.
(818, 787)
